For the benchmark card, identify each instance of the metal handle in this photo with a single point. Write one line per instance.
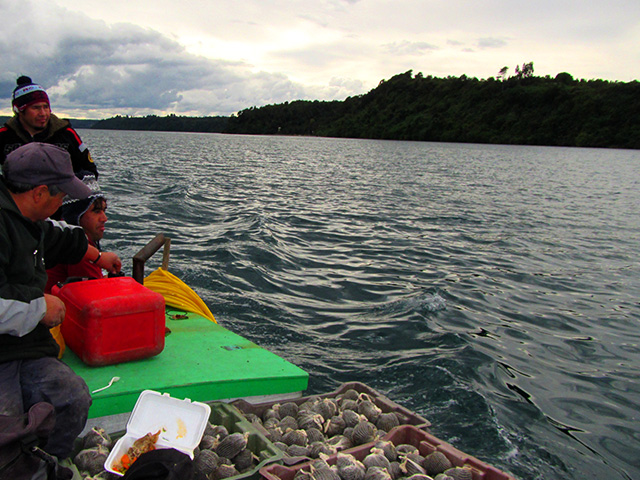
(147, 251)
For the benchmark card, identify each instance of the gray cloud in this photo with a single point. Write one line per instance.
(491, 42)
(409, 48)
(291, 50)
(126, 69)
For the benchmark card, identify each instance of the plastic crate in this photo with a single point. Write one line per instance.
(234, 421)
(406, 416)
(404, 434)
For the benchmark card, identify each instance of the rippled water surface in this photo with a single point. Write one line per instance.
(492, 289)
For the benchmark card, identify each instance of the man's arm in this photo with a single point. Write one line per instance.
(80, 155)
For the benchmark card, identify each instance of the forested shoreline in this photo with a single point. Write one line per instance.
(524, 109)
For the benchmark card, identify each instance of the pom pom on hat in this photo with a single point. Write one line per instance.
(27, 93)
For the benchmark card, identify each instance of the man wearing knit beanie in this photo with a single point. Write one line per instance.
(34, 122)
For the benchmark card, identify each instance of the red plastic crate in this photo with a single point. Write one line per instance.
(406, 416)
(404, 434)
(112, 320)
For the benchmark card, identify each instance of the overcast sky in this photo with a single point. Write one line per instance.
(100, 58)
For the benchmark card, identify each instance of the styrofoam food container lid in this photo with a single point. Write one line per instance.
(181, 424)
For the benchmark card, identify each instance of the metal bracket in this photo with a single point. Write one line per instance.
(146, 252)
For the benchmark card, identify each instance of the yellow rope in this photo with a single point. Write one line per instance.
(176, 293)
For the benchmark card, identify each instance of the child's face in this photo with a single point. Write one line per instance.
(94, 219)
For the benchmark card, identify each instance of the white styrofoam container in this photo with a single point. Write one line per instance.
(181, 424)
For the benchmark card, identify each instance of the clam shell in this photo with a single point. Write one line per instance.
(303, 475)
(376, 459)
(207, 442)
(271, 423)
(340, 442)
(316, 448)
(387, 421)
(351, 394)
(436, 462)
(419, 476)
(327, 408)
(352, 472)
(348, 404)
(324, 474)
(205, 461)
(459, 473)
(232, 445)
(364, 432)
(404, 449)
(224, 471)
(288, 409)
(315, 435)
(394, 470)
(97, 436)
(369, 410)
(388, 448)
(253, 418)
(288, 423)
(219, 431)
(377, 473)
(334, 426)
(351, 418)
(295, 437)
(244, 460)
(91, 459)
(411, 467)
(297, 450)
(274, 434)
(270, 413)
(344, 459)
(310, 420)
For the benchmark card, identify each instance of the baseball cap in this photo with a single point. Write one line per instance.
(44, 164)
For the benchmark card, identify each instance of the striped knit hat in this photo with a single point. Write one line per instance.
(73, 208)
(27, 93)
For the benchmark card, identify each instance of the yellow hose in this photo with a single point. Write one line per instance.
(176, 293)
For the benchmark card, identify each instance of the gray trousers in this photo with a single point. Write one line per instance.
(24, 383)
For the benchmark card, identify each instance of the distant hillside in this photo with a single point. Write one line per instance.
(528, 110)
(76, 123)
(522, 109)
(171, 123)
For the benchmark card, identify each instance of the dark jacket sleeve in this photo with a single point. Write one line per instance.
(63, 243)
(80, 155)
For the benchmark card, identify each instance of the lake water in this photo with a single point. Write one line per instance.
(491, 289)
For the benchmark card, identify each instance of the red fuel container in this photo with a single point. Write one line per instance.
(112, 320)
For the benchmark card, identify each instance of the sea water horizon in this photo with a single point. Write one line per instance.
(492, 289)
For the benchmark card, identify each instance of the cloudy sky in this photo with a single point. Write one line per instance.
(100, 58)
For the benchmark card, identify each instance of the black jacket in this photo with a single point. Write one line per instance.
(58, 132)
(27, 248)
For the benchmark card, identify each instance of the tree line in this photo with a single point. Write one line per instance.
(521, 109)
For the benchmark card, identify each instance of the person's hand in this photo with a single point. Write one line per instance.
(110, 262)
(55, 311)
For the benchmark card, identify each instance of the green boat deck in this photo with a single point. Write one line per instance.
(201, 360)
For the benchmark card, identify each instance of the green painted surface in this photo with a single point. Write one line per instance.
(201, 361)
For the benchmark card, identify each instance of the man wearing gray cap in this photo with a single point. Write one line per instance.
(36, 177)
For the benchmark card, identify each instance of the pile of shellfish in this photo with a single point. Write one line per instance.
(222, 454)
(94, 450)
(326, 425)
(385, 461)
(219, 455)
